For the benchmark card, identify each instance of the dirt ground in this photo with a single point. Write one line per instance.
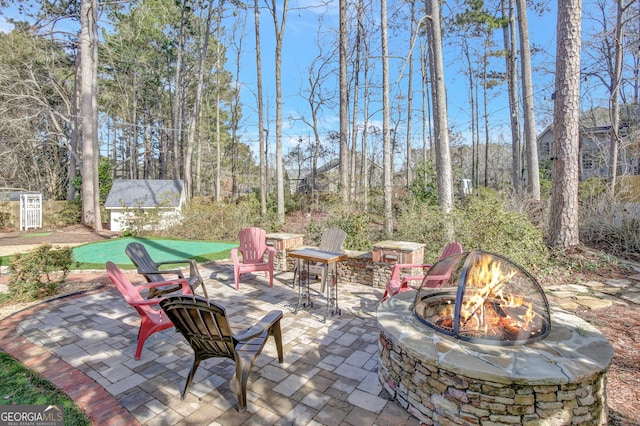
(12, 242)
(620, 323)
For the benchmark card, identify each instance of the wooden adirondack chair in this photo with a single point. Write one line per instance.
(399, 284)
(253, 246)
(151, 320)
(146, 266)
(205, 326)
(331, 241)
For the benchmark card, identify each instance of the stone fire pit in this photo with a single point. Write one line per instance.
(559, 380)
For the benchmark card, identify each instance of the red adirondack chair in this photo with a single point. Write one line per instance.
(253, 245)
(151, 320)
(398, 284)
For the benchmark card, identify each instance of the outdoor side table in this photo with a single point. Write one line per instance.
(329, 261)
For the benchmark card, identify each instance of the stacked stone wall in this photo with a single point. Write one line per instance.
(439, 397)
(368, 268)
(359, 268)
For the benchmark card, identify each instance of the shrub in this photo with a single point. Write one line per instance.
(203, 219)
(355, 224)
(611, 225)
(422, 223)
(592, 189)
(70, 214)
(481, 222)
(485, 223)
(36, 274)
(5, 216)
(424, 186)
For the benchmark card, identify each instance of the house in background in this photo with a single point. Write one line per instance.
(327, 177)
(595, 130)
(131, 199)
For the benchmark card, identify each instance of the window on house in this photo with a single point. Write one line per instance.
(588, 162)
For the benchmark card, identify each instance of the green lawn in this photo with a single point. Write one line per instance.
(20, 386)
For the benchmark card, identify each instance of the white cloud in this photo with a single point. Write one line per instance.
(5, 27)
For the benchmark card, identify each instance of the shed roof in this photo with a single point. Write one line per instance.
(145, 193)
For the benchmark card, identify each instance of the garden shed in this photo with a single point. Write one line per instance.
(145, 202)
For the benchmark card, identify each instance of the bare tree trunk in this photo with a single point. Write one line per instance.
(386, 129)
(315, 103)
(147, 140)
(133, 136)
(365, 131)
(476, 116)
(94, 118)
(485, 65)
(234, 122)
(354, 114)
(164, 146)
(443, 155)
(563, 226)
(409, 174)
(218, 177)
(279, 29)
(344, 98)
(177, 101)
(509, 37)
(614, 100)
(636, 63)
(75, 134)
(263, 170)
(427, 152)
(472, 101)
(88, 113)
(197, 102)
(197, 190)
(533, 172)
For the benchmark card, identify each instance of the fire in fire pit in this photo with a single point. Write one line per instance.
(483, 297)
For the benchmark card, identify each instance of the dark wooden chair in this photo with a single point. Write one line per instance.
(206, 327)
(331, 241)
(152, 319)
(146, 266)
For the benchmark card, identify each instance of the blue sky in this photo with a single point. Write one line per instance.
(300, 47)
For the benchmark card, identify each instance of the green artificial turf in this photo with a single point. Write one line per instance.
(99, 253)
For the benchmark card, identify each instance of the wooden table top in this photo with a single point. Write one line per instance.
(316, 255)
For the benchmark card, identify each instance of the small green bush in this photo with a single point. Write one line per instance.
(70, 214)
(5, 216)
(203, 219)
(424, 186)
(480, 222)
(356, 225)
(36, 274)
(592, 189)
(485, 224)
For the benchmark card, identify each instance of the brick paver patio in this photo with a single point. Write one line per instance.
(85, 344)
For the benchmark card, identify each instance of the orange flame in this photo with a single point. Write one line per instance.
(487, 306)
